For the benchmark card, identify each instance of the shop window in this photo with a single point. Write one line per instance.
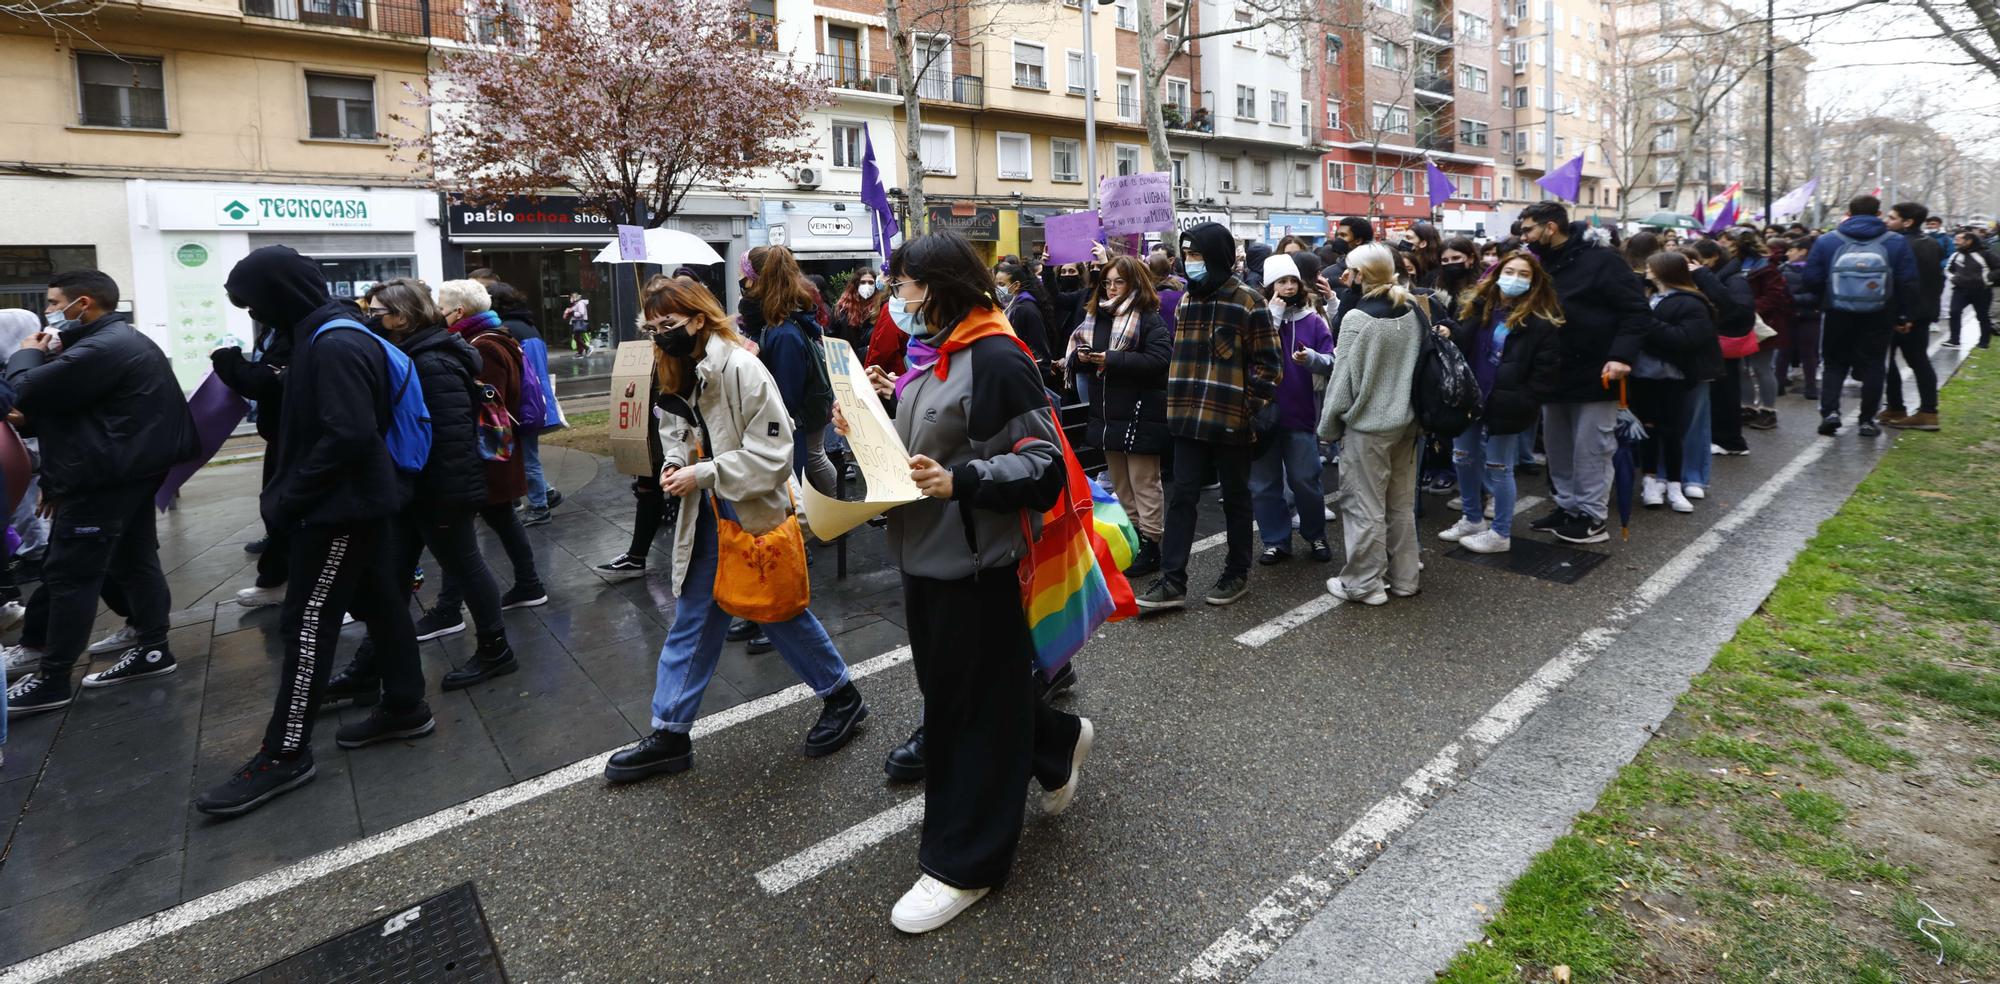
(115, 90)
(340, 107)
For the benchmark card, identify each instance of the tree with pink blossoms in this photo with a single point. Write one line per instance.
(630, 104)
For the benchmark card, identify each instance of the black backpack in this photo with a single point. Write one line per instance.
(1443, 392)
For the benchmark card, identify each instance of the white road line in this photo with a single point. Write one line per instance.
(111, 942)
(823, 856)
(1274, 919)
(1321, 604)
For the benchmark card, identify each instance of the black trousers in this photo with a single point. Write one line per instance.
(520, 554)
(94, 535)
(1662, 405)
(271, 563)
(35, 622)
(1853, 342)
(334, 570)
(1194, 461)
(1981, 303)
(652, 512)
(455, 543)
(986, 733)
(1914, 346)
(1725, 399)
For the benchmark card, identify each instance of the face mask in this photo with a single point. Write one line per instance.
(1069, 281)
(865, 291)
(59, 319)
(675, 342)
(374, 323)
(1513, 286)
(1197, 269)
(907, 321)
(1002, 294)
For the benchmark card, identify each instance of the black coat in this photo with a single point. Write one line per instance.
(1530, 369)
(1128, 402)
(1683, 333)
(454, 476)
(108, 409)
(1930, 274)
(333, 463)
(1605, 317)
(262, 380)
(1709, 364)
(1024, 314)
(1740, 316)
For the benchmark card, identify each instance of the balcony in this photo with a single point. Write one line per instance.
(1438, 141)
(849, 72)
(1432, 26)
(1434, 85)
(402, 18)
(1128, 108)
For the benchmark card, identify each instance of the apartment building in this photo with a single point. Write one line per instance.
(181, 134)
(1556, 101)
(1412, 81)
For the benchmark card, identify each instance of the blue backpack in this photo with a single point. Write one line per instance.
(1858, 279)
(409, 436)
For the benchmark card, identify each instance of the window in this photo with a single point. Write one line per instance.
(1179, 97)
(126, 92)
(1279, 101)
(1016, 156)
(1332, 50)
(1391, 119)
(1666, 199)
(1246, 102)
(842, 60)
(937, 147)
(1666, 76)
(1225, 174)
(1666, 139)
(1125, 159)
(1336, 172)
(1073, 72)
(1128, 96)
(1030, 70)
(340, 107)
(1302, 179)
(1064, 158)
(1666, 170)
(1126, 16)
(1520, 97)
(1472, 79)
(1473, 27)
(1560, 152)
(1384, 53)
(1663, 110)
(847, 147)
(1485, 189)
(1472, 133)
(1364, 179)
(1260, 177)
(1179, 166)
(1506, 97)
(1506, 187)
(1333, 116)
(1556, 61)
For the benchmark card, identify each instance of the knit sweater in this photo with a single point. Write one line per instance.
(1370, 388)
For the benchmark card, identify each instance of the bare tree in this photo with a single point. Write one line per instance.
(944, 26)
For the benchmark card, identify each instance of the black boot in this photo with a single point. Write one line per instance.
(1065, 679)
(1147, 560)
(844, 712)
(662, 751)
(493, 658)
(742, 630)
(906, 761)
(352, 683)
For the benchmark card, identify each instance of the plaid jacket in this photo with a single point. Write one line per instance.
(1225, 365)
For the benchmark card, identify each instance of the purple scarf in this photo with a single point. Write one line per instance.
(921, 355)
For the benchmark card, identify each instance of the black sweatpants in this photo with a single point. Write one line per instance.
(1662, 405)
(1725, 401)
(453, 541)
(651, 512)
(1194, 462)
(986, 733)
(94, 535)
(334, 570)
(513, 539)
(1914, 346)
(1981, 303)
(1851, 341)
(272, 563)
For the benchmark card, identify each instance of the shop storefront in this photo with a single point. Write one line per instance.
(1311, 228)
(828, 238)
(1246, 227)
(187, 236)
(978, 223)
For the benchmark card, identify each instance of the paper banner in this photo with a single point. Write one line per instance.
(1137, 203)
(1070, 236)
(632, 243)
(871, 437)
(216, 410)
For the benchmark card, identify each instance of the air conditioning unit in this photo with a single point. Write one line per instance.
(1520, 161)
(807, 177)
(886, 85)
(1182, 193)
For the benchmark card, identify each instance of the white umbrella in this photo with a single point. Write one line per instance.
(667, 247)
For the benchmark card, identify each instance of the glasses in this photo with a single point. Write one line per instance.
(1114, 281)
(898, 284)
(377, 309)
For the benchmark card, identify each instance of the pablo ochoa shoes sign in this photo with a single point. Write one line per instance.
(352, 211)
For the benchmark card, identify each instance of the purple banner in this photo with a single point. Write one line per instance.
(1070, 237)
(216, 410)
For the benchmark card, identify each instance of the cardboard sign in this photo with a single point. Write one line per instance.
(632, 408)
(1137, 203)
(871, 435)
(632, 243)
(1070, 237)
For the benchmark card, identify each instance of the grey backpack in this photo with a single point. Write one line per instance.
(1858, 279)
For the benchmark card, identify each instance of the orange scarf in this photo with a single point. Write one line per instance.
(981, 323)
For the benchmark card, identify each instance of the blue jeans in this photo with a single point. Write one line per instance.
(1695, 459)
(1291, 462)
(694, 643)
(1485, 463)
(531, 458)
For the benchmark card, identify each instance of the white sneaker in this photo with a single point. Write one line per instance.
(20, 660)
(931, 903)
(1487, 542)
(1489, 508)
(1653, 493)
(1338, 588)
(125, 638)
(1678, 501)
(1455, 503)
(1331, 515)
(254, 597)
(1461, 529)
(1694, 491)
(11, 615)
(1055, 801)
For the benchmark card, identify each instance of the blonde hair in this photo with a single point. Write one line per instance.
(1375, 264)
(468, 294)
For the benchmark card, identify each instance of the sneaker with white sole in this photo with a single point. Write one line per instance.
(1653, 492)
(438, 623)
(20, 660)
(621, 567)
(1338, 588)
(12, 614)
(137, 663)
(1055, 801)
(1487, 542)
(1677, 499)
(117, 642)
(1460, 530)
(930, 904)
(1694, 491)
(261, 597)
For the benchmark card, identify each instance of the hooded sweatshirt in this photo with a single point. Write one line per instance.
(281, 289)
(1226, 362)
(1907, 294)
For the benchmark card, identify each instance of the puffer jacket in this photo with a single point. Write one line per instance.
(1684, 331)
(1529, 369)
(1128, 403)
(749, 464)
(107, 408)
(454, 477)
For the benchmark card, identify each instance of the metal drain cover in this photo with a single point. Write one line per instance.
(441, 940)
(1548, 561)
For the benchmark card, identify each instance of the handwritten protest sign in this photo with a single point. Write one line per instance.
(632, 243)
(1136, 203)
(1071, 236)
(871, 435)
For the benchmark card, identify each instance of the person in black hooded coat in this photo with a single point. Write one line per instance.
(263, 380)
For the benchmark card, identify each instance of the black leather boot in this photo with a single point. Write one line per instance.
(493, 658)
(844, 711)
(662, 751)
(906, 761)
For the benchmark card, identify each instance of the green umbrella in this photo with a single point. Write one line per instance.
(1670, 220)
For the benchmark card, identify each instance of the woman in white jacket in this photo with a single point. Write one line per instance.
(725, 436)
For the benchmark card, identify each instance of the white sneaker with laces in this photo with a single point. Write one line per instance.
(1677, 500)
(1653, 493)
(20, 660)
(1455, 503)
(930, 904)
(255, 597)
(1055, 801)
(1694, 491)
(1487, 542)
(1460, 530)
(125, 638)
(1338, 588)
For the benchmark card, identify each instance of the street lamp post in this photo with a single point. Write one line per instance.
(1090, 103)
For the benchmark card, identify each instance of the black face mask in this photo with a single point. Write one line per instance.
(1069, 281)
(374, 324)
(675, 342)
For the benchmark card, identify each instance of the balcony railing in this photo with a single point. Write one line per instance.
(1435, 141)
(848, 72)
(407, 18)
(1433, 25)
(1438, 82)
(1128, 108)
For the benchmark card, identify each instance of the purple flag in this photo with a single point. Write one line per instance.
(1564, 182)
(216, 410)
(1440, 186)
(875, 195)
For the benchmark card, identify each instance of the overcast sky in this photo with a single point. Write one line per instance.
(1864, 58)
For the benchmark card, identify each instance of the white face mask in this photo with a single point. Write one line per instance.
(865, 291)
(59, 317)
